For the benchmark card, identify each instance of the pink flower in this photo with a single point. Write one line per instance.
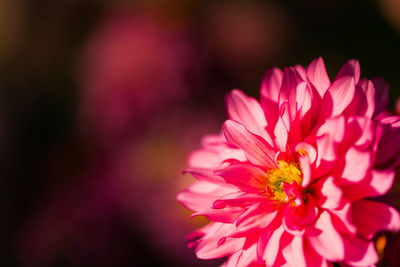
(290, 179)
(133, 67)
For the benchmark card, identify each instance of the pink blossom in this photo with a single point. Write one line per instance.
(133, 66)
(290, 179)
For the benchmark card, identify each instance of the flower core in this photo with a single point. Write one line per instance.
(286, 173)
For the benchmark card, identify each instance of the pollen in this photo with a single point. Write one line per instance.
(288, 172)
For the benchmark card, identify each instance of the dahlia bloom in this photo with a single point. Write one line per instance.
(132, 67)
(289, 181)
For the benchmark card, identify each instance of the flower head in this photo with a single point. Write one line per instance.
(132, 67)
(287, 181)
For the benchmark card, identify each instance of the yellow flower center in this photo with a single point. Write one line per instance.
(287, 172)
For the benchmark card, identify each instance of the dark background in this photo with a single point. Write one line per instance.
(101, 101)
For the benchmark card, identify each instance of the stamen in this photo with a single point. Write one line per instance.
(287, 172)
(302, 152)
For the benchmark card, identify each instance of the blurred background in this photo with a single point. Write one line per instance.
(102, 100)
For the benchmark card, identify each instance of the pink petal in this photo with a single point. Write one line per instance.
(211, 141)
(209, 248)
(279, 261)
(248, 178)
(342, 219)
(312, 257)
(214, 142)
(359, 252)
(238, 199)
(216, 158)
(370, 217)
(327, 154)
(301, 71)
(269, 244)
(357, 164)
(205, 175)
(201, 195)
(232, 155)
(294, 252)
(327, 194)
(360, 106)
(194, 237)
(309, 149)
(305, 106)
(256, 149)
(369, 91)
(225, 215)
(317, 76)
(389, 146)
(284, 113)
(271, 85)
(392, 122)
(337, 98)
(307, 213)
(377, 184)
(301, 91)
(306, 170)
(293, 191)
(288, 222)
(294, 127)
(362, 132)
(328, 137)
(249, 255)
(248, 111)
(381, 95)
(334, 127)
(290, 80)
(257, 217)
(281, 135)
(351, 68)
(269, 93)
(325, 239)
(232, 260)
(204, 159)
